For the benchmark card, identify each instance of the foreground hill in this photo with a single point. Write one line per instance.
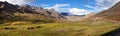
(10, 13)
(112, 14)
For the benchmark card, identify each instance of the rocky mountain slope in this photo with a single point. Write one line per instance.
(111, 14)
(11, 13)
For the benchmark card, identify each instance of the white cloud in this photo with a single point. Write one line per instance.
(105, 4)
(19, 2)
(60, 7)
(102, 5)
(44, 5)
(78, 11)
(88, 6)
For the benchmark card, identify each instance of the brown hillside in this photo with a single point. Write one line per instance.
(113, 13)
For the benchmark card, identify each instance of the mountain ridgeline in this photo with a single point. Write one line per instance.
(111, 14)
(11, 13)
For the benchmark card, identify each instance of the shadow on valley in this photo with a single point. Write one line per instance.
(115, 32)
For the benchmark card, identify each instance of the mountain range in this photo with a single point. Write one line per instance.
(11, 13)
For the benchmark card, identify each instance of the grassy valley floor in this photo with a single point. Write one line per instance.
(57, 29)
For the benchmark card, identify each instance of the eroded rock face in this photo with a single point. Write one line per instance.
(2, 5)
(49, 13)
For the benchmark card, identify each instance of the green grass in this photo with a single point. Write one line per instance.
(58, 29)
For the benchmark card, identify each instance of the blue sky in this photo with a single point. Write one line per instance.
(67, 4)
(77, 7)
(73, 3)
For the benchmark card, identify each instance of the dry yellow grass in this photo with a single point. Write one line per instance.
(20, 23)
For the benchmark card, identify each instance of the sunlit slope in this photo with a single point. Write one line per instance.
(112, 13)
